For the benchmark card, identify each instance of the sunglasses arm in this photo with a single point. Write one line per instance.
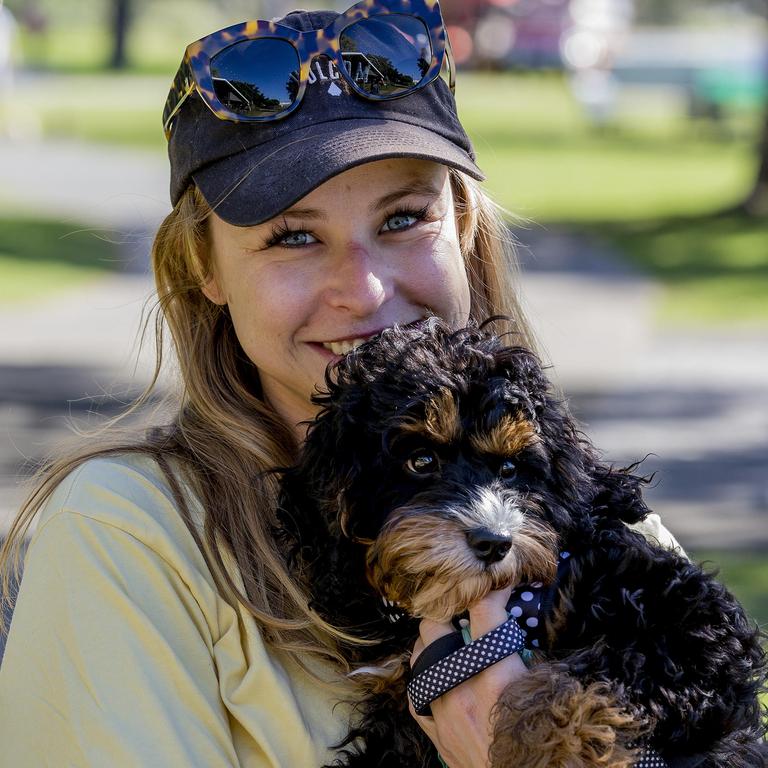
(182, 86)
(451, 63)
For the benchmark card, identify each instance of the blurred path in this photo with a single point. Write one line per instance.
(697, 401)
(121, 193)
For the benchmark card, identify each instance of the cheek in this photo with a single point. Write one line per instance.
(442, 282)
(267, 306)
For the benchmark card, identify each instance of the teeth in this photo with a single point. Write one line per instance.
(342, 347)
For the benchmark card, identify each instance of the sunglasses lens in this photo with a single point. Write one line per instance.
(256, 78)
(388, 54)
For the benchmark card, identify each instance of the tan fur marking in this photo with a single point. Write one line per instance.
(441, 422)
(559, 616)
(510, 436)
(389, 674)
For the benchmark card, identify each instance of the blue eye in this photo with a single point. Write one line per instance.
(282, 237)
(294, 239)
(404, 219)
(400, 221)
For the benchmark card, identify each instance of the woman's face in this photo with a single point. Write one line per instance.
(374, 246)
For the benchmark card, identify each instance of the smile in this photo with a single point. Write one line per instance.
(343, 347)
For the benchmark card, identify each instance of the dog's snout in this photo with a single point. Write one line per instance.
(488, 546)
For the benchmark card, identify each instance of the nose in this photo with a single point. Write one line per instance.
(488, 546)
(358, 282)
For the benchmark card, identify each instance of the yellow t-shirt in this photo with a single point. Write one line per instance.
(122, 653)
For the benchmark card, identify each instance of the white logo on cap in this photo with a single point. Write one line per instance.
(361, 69)
(316, 72)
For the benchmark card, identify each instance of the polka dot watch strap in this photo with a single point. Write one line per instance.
(464, 663)
(650, 759)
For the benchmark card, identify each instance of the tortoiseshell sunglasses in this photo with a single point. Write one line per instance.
(258, 70)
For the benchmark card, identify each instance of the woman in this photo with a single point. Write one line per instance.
(317, 200)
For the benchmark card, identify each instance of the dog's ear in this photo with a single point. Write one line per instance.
(311, 498)
(330, 456)
(571, 455)
(526, 378)
(618, 493)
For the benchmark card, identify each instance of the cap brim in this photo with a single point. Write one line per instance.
(257, 184)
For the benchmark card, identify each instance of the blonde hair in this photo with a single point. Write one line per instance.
(224, 439)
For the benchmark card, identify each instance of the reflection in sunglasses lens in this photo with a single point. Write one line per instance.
(256, 78)
(387, 54)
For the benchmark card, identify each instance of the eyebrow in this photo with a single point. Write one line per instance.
(415, 187)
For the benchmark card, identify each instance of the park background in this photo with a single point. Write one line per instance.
(626, 140)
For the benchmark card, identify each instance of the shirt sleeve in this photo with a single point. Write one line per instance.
(655, 531)
(109, 659)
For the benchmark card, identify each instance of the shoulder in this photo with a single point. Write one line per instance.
(112, 532)
(127, 494)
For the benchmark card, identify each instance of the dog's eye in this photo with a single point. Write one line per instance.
(422, 463)
(507, 469)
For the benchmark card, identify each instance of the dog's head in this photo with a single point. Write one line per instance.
(446, 456)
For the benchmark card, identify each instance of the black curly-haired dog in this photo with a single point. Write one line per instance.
(442, 466)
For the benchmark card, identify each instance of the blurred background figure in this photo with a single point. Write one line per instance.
(589, 47)
(7, 53)
(628, 141)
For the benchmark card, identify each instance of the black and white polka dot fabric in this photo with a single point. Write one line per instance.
(442, 676)
(651, 759)
(524, 606)
(528, 601)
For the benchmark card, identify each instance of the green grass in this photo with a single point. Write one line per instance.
(546, 162)
(746, 575)
(81, 43)
(715, 269)
(75, 48)
(40, 257)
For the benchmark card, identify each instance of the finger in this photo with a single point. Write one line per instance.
(426, 723)
(489, 613)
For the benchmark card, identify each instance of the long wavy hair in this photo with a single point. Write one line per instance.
(224, 441)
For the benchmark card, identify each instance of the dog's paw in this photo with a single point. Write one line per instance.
(549, 719)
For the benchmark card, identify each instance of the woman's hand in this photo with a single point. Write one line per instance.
(460, 726)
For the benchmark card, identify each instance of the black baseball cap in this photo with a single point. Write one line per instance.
(250, 172)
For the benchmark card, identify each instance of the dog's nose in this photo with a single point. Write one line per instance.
(488, 546)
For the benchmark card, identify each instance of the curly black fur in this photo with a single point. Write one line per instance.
(643, 618)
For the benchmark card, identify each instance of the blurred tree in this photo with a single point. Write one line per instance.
(756, 203)
(121, 20)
